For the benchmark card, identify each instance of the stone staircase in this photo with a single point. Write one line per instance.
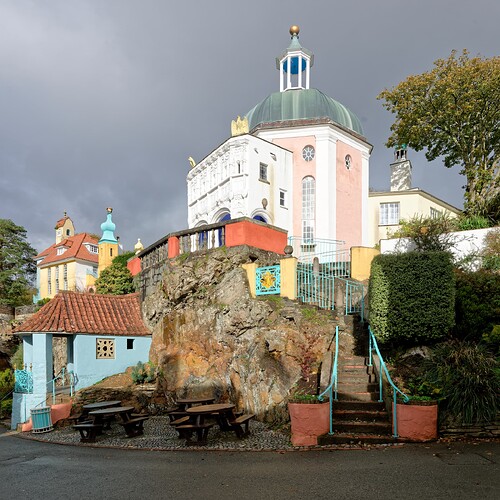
(358, 417)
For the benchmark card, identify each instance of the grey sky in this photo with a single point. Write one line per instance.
(103, 101)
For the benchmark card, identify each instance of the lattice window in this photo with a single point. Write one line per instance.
(308, 208)
(105, 349)
(389, 214)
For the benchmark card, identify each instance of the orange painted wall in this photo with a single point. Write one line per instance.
(134, 266)
(349, 196)
(173, 247)
(255, 235)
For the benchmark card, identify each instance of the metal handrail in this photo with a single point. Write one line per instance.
(62, 376)
(333, 386)
(372, 344)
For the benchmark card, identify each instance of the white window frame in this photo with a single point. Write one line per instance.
(389, 213)
(263, 172)
(308, 209)
(282, 198)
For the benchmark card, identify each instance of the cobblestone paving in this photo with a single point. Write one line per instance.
(158, 434)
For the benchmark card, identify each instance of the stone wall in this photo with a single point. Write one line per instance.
(211, 338)
(9, 317)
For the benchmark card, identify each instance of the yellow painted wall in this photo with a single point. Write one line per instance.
(107, 252)
(288, 271)
(361, 260)
(250, 269)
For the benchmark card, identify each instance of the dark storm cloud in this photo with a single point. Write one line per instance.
(102, 102)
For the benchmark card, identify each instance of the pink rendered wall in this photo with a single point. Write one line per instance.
(301, 169)
(349, 196)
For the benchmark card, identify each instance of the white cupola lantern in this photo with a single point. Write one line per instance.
(293, 63)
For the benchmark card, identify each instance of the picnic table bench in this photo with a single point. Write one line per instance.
(134, 426)
(88, 431)
(237, 423)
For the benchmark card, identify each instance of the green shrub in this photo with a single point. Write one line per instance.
(491, 250)
(477, 304)
(428, 234)
(17, 359)
(6, 382)
(492, 340)
(412, 297)
(469, 378)
(469, 222)
(6, 407)
(144, 373)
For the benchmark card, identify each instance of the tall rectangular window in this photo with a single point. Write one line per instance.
(308, 209)
(57, 279)
(263, 172)
(389, 214)
(49, 280)
(282, 198)
(435, 214)
(65, 276)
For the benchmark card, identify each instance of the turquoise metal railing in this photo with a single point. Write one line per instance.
(23, 381)
(329, 256)
(384, 371)
(315, 287)
(268, 280)
(354, 298)
(62, 376)
(331, 390)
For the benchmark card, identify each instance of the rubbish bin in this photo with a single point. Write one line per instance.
(41, 420)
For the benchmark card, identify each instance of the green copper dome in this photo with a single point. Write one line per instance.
(302, 104)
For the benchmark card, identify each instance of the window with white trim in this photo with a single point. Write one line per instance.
(65, 276)
(263, 172)
(435, 213)
(308, 208)
(389, 214)
(57, 279)
(49, 280)
(282, 198)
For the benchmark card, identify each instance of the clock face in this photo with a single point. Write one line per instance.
(308, 153)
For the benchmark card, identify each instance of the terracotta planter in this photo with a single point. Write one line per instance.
(308, 422)
(418, 421)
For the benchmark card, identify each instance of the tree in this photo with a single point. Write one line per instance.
(116, 279)
(17, 267)
(454, 111)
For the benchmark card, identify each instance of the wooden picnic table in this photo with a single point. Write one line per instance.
(133, 425)
(97, 406)
(183, 404)
(224, 415)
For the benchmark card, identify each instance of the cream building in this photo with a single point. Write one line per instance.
(387, 208)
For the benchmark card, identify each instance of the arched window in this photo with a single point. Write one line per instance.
(259, 218)
(308, 209)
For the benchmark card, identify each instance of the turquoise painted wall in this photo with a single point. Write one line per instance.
(90, 370)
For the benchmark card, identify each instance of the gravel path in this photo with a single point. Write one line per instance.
(159, 435)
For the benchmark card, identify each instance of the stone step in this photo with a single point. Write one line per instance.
(361, 415)
(346, 386)
(361, 427)
(352, 361)
(345, 438)
(357, 396)
(359, 405)
(354, 378)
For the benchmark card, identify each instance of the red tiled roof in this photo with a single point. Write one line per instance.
(75, 250)
(61, 222)
(73, 312)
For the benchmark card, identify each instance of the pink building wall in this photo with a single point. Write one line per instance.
(349, 196)
(301, 169)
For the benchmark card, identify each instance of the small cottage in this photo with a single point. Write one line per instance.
(103, 335)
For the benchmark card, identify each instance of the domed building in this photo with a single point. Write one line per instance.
(297, 160)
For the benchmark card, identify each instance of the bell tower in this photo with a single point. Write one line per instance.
(108, 244)
(401, 170)
(295, 64)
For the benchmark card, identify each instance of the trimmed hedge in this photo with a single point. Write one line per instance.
(412, 297)
(477, 307)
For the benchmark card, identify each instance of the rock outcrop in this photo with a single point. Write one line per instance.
(210, 337)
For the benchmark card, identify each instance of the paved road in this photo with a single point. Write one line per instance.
(34, 470)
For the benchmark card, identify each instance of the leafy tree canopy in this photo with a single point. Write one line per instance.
(17, 267)
(453, 111)
(116, 279)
